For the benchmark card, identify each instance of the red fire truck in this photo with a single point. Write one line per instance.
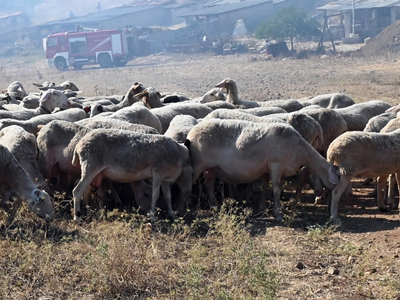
(105, 47)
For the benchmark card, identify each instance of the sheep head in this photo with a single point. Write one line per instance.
(40, 203)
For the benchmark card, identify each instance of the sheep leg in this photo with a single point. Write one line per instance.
(398, 187)
(392, 185)
(262, 205)
(83, 189)
(335, 197)
(167, 195)
(276, 178)
(114, 195)
(156, 184)
(209, 184)
(381, 182)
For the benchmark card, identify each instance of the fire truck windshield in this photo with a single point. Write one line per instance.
(51, 42)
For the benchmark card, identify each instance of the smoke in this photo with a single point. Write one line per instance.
(50, 10)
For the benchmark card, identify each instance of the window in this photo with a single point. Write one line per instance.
(51, 42)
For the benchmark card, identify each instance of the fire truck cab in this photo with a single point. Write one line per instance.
(105, 47)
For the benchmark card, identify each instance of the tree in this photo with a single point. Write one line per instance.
(288, 23)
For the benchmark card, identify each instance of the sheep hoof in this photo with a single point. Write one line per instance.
(78, 220)
(279, 218)
(383, 209)
(335, 222)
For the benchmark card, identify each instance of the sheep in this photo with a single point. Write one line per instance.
(48, 102)
(233, 98)
(173, 97)
(15, 90)
(377, 123)
(263, 111)
(242, 151)
(108, 154)
(14, 181)
(381, 180)
(332, 101)
(98, 106)
(137, 115)
(232, 94)
(66, 85)
(180, 127)
(167, 113)
(366, 154)
(31, 125)
(358, 115)
(56, 143)
(23, 146)
(219, 104)
(212, 95)
(332, 125)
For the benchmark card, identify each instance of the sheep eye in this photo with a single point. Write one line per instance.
(211, 94)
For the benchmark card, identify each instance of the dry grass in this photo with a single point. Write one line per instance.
(224, 255)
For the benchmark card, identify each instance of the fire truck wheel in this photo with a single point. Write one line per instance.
(105, 60)
(60, 63)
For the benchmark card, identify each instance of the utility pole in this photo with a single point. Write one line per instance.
(353, 15)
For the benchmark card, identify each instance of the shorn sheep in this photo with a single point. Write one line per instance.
(358, 115)
(24, 147)
(242, 152)
(15, 182)
(365, 154)
(124, 156)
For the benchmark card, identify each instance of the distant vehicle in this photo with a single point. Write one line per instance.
(105, 47)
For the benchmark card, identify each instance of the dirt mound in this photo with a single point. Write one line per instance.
(388, 41)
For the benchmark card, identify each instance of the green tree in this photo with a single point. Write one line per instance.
(288, 23)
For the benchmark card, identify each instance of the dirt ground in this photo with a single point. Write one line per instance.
(262, 79)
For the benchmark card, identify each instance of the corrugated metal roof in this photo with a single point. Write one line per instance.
(103, 15)
(223, 8)
(359, 4)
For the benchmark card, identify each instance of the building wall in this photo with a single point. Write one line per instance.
(183, 10)
(157, 16)
(251, 16)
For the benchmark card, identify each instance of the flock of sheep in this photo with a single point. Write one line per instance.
(56, 140)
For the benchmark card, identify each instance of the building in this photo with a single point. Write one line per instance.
(223, 14)
(371, 16)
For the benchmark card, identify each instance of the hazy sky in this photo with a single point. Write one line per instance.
(40, 11)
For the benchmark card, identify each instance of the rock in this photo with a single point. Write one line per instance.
(333, 271)
(300, 266)
(351, 259)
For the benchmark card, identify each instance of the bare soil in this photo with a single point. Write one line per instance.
(360, 260)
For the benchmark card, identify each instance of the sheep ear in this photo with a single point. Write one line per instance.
(44, 88)
(158, 94)
(334, 175)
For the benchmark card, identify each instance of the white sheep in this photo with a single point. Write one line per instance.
(23, 146)
(167, 113)
(180, 127)
(366, 154)
(32, 125)
(16, 91)
(16, 182)
(335, 100)
(108, 154)
(332, 125)
(242, 152)
(48, 102)
(233, 98)
(358, 115)
(56, 143)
